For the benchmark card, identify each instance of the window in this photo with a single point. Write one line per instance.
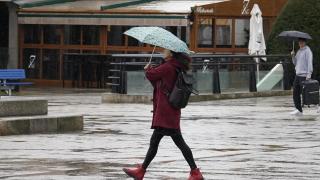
(180, 32)
(70, 68)
(72, 34)
(115, 35)
(132, 41)
(172, 29)
(50, 64)
(3, 57)
(223, 33)
(32, 34)
(242, 33)
(91, 35)
(115, 52)
(90, 52)
(31, 63)
(51, 34)
(72, 51)
(205, 33)
(184, 34)
(4, 24)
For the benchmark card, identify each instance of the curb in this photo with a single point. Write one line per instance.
(146, 99)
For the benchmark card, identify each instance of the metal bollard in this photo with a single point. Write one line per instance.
(123, 83)
(216, 80)
(252, 78)
(286, 76)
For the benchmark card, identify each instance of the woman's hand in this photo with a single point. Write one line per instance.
(147, 66)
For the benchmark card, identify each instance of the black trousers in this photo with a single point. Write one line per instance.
(177, 139)
(297, 91)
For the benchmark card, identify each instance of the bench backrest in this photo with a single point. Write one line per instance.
(12, 74)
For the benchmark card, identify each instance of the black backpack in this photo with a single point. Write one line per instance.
(179, 96)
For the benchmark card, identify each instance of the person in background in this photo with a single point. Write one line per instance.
(304, 68)
(166, 119)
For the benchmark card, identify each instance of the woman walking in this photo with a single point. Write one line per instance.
(166, 119)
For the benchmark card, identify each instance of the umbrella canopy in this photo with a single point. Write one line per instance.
(294, 35)
(158, 37)
(257, 45)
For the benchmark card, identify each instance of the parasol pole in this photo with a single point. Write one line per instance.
(258, 68)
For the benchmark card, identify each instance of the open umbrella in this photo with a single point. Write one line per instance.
(294, 35)
(158, 37)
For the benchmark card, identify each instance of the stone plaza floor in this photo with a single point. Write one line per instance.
(240, 139)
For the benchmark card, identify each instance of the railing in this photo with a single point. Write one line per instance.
(212, 71)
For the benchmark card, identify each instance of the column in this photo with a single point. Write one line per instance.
(13, 36)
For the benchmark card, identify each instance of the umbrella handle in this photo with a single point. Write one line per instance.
(293, 45)
(152, 54)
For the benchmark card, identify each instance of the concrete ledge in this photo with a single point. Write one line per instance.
(71, 123)
(124, 98)
(146, 99)
(213, 97)
(40, 124)
(22, 107)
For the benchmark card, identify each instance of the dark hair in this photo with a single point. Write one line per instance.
(183, 58)
(303, 39)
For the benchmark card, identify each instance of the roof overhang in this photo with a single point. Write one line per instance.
(108, 12)
(103, 19)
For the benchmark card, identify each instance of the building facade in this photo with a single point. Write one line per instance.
(47, 30)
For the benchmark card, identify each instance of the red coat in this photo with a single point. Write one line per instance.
(163, 78)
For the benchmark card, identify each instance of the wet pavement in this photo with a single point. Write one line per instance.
(231, 140)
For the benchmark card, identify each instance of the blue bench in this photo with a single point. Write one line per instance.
(9, 78)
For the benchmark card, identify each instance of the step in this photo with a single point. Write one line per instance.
(113, 84)
(16, 106)
(114, 77)
(40, 124)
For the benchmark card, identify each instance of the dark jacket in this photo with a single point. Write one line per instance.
(163, 79)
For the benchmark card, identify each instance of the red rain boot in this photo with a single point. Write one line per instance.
(136, 173)
(195, 174)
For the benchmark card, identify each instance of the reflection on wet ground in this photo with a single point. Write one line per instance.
(232, 139)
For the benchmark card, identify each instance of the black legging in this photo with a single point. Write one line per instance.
(177, 139)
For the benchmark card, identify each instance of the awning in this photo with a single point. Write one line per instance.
(108, 12)
(137, 6)
(103, 19)
(161, 6)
